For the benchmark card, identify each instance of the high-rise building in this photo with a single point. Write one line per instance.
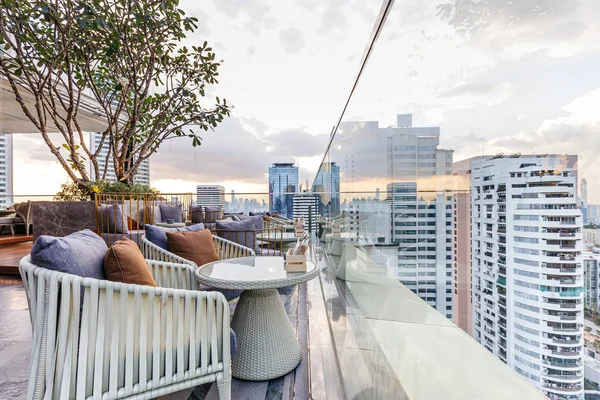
(591, 271)
(527, 270)
(584, 191)
(305, 205)
(422, 226)
(413, 151)
(210, 195)
(6, 170)
(327, 186)
(283, 185)
(143, 173)
(463, 303)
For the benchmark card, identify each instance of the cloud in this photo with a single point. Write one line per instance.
(479, 93)
(577, 133)
(256, 12)
(292, 39)
(238, 150)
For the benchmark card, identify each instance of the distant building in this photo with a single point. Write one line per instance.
(6, 170)
(327, 186)
(591, 272)
(591, 236)
(584, 191)
(143, 173)
(422, 226)
(210, 195)
(371, 219)
(305, 205)
(283, 185)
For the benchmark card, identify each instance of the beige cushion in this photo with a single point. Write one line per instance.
(196, 246)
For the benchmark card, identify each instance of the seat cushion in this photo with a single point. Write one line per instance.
(240, 232)
(81, 253)
(232, 343)
(196, 246)
(112, 219)
(8, 220)
(158, 234)
(134, 235)
(171, 212)
(124, 262)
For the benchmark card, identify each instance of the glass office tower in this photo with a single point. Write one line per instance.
(283, 185)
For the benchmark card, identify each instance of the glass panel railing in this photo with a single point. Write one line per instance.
(453, 206)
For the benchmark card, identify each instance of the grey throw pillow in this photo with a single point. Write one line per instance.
(158, 234)
(80, 253)
(259, 221)
(240, 232)
(212, 213)
(112, 219)
(171, 212)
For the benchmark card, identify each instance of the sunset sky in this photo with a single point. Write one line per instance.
(522, 79)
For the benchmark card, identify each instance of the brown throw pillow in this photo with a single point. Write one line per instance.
(196, 246)
(124, 262)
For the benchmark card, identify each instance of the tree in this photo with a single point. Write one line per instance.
(129, 56)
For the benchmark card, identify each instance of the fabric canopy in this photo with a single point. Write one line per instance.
(14, 120)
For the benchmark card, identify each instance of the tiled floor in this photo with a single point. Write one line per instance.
(15, 346)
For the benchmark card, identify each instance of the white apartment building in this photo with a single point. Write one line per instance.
(210, 195)
(422, 226)
(527, 272)
(143, 173)
(306, 205)
(6, 171)
(591, 271)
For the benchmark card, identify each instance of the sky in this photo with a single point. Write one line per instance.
(505, 76)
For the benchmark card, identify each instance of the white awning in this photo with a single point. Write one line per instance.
(14, 120)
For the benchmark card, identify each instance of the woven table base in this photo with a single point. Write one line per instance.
(267, 344)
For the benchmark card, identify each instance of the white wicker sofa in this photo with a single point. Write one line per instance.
(225, 249)
(108, 345)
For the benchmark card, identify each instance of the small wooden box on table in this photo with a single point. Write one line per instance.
(295, 263)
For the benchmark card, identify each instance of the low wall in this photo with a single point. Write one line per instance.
(60, 218)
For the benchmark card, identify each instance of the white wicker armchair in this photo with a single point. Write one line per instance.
(225, 249)
(108, 345)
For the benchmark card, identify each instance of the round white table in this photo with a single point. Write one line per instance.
(267, 344)
(173, 225)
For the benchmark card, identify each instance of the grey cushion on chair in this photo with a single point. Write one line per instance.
(158, 234)
(240, 232)
(112, 219)
(80, 253)
(171, 212)
(259, 221)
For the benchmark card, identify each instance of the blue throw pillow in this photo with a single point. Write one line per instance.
(81, 253)
(171, 212)
(158, 234)
(240, 232)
